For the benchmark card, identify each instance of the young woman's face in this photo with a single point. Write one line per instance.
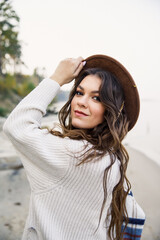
(86, 109)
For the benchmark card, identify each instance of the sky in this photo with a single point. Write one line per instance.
(128, 31)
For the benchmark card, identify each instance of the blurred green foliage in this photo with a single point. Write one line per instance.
(10, 45)
(13, 86)
(25, 88)
(3, 112)
(9, 83)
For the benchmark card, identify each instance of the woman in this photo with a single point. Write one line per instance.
(77, 174)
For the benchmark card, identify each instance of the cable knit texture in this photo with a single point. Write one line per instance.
(65, 199)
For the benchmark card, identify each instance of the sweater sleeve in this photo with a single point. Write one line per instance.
(43, 155)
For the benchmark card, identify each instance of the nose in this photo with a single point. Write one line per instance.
(83, 102)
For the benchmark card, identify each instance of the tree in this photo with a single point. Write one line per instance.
(10, 46)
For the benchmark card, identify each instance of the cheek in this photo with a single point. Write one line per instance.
(99, 115)
(73, 103)
(99, 112)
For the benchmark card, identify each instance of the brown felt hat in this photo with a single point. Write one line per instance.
(131, 102)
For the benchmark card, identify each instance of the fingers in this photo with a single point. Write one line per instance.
(69, 68)
(79, 59)
(80, 63)
(80, 67)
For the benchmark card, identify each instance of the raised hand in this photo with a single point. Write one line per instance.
(67, 70)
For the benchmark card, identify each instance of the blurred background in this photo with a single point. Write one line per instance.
(36, 35)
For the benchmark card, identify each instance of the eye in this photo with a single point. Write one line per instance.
(78, 93)
(96, 98)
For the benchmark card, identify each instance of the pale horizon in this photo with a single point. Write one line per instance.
(125, 30)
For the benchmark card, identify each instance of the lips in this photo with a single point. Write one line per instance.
(79, 113)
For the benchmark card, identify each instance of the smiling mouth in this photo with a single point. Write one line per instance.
(79, 113)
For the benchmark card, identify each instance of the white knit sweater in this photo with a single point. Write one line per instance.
(65, 200)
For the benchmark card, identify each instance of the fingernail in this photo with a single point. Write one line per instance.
(84, 63)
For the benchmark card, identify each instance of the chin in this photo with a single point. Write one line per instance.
(79, 126)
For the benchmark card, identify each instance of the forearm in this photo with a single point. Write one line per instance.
(32, 108)
(42, 153)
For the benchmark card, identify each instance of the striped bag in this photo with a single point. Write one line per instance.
(134, 228)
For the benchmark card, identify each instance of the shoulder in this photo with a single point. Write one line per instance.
(75, 146)
(115, 168)
(114, 175)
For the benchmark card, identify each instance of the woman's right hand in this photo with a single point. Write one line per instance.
(67, 70)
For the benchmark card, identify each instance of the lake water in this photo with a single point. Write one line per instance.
(145, 136)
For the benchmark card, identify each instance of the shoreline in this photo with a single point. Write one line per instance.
(145, 145)
(144, 176)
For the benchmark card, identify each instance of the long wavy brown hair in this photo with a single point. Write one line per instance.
(105, 138)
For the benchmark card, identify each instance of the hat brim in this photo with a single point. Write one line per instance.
(131, 101)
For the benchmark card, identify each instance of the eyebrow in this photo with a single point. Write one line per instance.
(79, 86)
